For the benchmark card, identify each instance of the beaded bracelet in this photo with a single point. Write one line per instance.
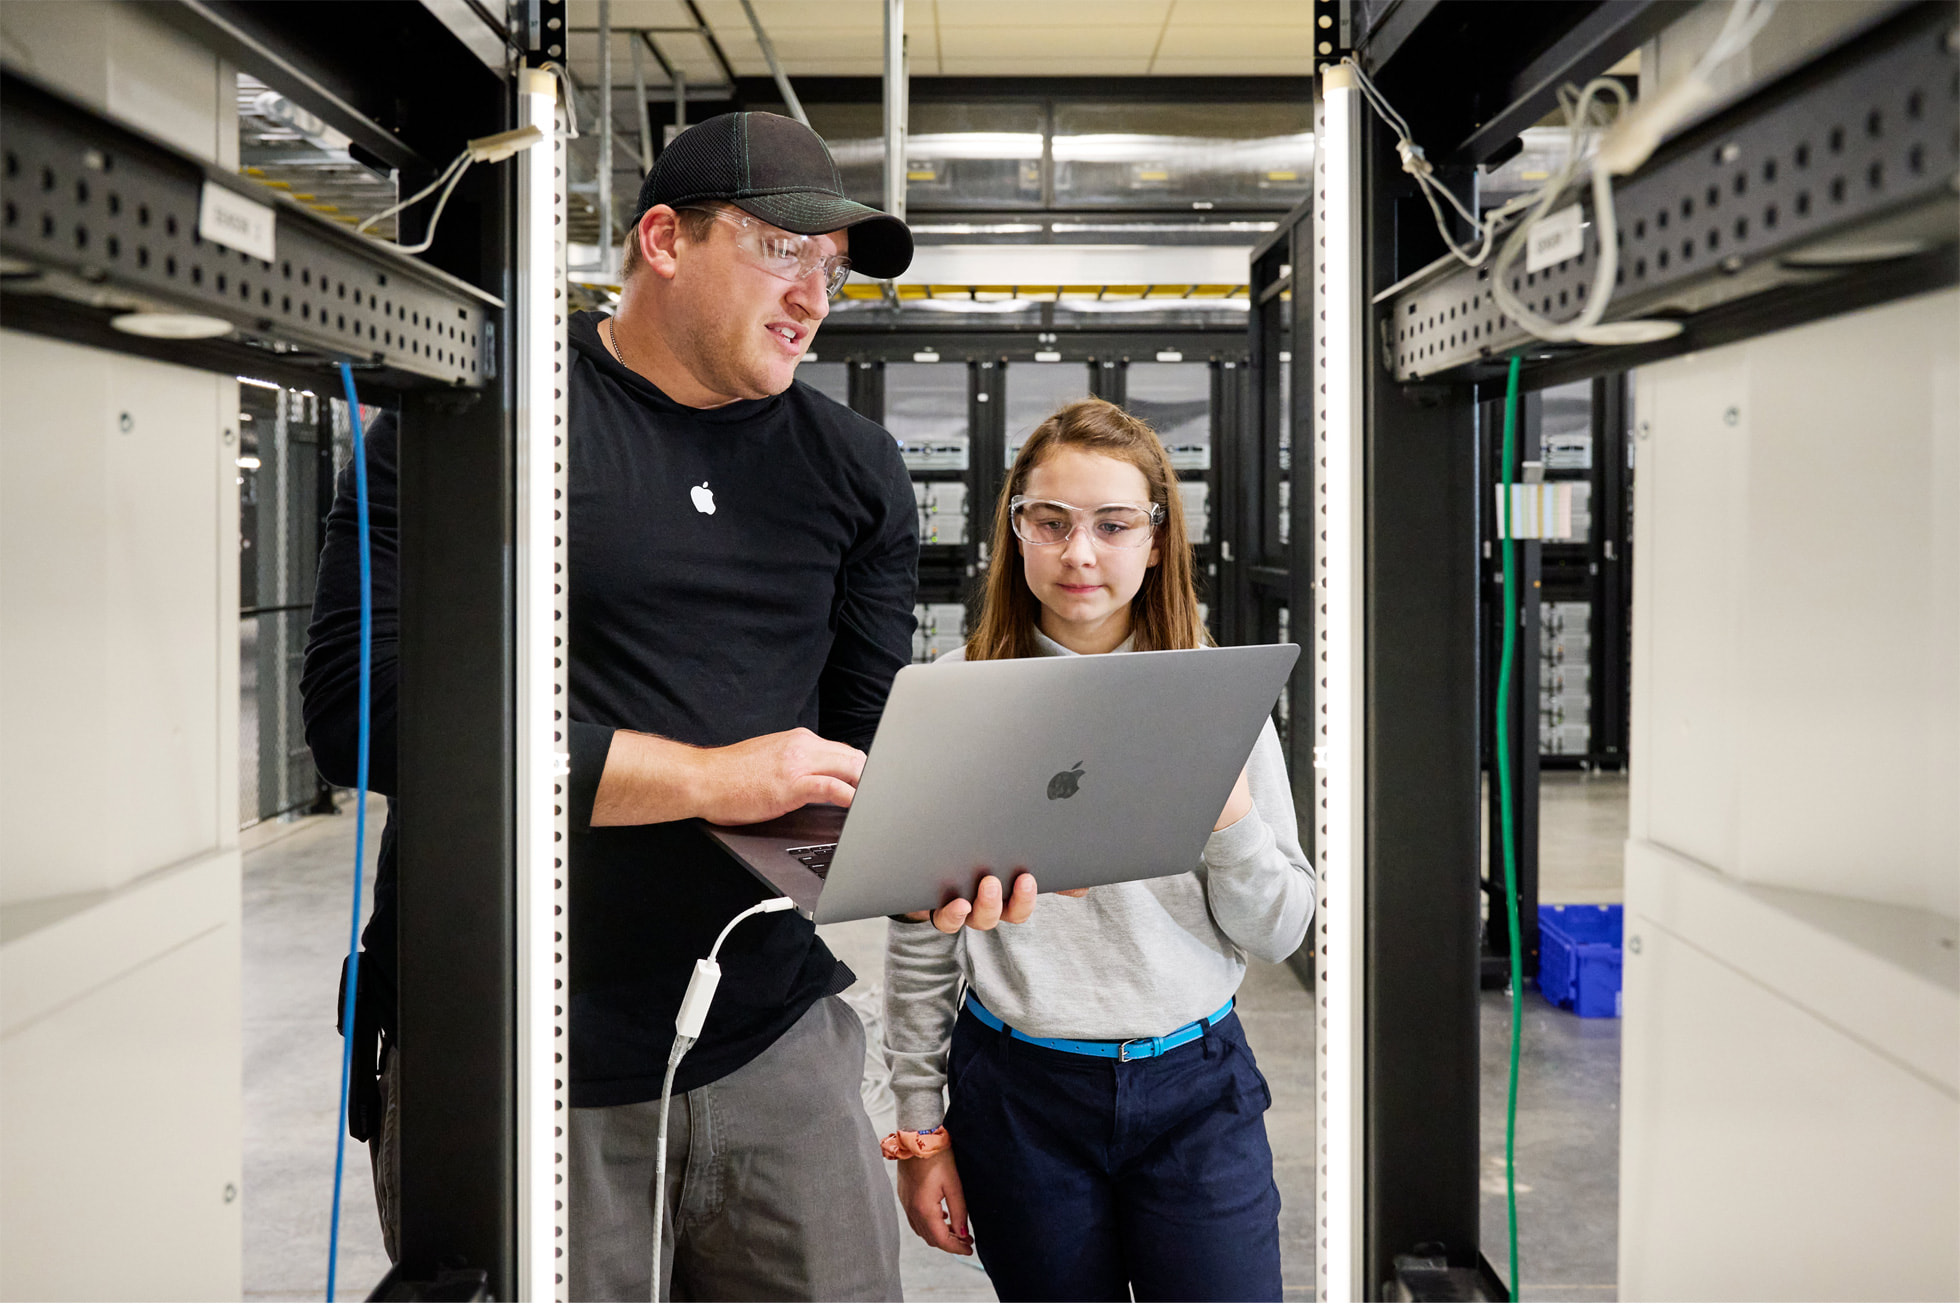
(909, 1144)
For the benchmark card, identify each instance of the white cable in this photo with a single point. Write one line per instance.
(435, 217)
(1631, 140)
(460, 161)
(1607, 265)
(766, 905)
(484, 149)
(1638, 134)
(1745, 19)
(1417, 165)
(558, 69)
(681, 1044)
(687, 1030)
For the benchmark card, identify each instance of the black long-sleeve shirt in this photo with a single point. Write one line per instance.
(790, 603)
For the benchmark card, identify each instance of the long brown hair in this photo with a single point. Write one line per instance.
(1164, 613)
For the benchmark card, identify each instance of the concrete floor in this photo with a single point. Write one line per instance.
(1568, 1145)
(296, 885)
(297, 880)
(1582, 834)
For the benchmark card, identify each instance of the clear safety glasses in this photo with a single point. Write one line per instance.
(1111, 526)
(782, 253)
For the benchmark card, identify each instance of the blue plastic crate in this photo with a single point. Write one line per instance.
(1579, 958)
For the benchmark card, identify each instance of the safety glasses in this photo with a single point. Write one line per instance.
(782, 253)
(1043, 522)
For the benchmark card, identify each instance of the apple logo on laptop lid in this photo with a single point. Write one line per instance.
(1065, 783)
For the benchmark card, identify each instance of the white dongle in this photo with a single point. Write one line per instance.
(700, 995)
(707, 974)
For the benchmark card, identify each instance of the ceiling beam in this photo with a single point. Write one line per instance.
(708, 35)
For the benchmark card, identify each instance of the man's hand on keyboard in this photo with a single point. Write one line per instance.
(761, 779)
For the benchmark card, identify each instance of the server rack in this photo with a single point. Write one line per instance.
(1569, 690)
(102, 219)
(1273, 520)
(1610, 569)
(1737, 226)
(290, 446)
(1577, 432)
(1527, 698)
(959, 398)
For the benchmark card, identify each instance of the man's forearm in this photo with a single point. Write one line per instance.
(647, 780)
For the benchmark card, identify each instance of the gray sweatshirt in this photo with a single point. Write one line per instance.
(1132, 960)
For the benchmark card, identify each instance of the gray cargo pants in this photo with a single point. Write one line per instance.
(775, 1187)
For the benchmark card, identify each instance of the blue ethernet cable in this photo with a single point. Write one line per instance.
(360, 819)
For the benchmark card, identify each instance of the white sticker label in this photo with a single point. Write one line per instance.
(1554, 239)
(1047, 355)
(224, 217)
(1169, 356)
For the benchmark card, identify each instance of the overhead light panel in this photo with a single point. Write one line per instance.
(172, 326)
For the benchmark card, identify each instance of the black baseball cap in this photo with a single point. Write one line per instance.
(781, 171)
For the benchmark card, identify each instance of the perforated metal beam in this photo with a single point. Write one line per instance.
(1825, 175)
(97, 218)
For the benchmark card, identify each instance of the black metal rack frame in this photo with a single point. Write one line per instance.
(1741, 224)
(99, 219)
(1746, 223)
(1276, 575)
(108, 216)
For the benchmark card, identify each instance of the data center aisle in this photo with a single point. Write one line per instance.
(296, 887)
(1569, 1082)
(1568, 1150)
(298, 878)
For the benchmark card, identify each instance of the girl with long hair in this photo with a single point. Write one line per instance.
(1079, 1085)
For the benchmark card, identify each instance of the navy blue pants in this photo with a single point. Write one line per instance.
(1088, 1179)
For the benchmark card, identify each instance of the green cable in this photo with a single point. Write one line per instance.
(1504, 810)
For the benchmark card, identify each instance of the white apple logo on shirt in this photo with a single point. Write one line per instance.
(704, 498)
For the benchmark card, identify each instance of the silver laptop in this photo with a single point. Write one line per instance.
(1084, 771)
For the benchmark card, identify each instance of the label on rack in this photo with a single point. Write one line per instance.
(227, 218)
(1554, 239)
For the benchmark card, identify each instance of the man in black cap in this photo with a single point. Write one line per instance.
(743, 570)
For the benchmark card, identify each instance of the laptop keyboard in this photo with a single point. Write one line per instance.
(816, 856)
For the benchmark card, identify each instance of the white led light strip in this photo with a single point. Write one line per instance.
(542, 747)
(1338, 646)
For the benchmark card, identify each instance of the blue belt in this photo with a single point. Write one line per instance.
(1135, 1049)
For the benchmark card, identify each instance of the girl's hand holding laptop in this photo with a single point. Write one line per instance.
(987, 910)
